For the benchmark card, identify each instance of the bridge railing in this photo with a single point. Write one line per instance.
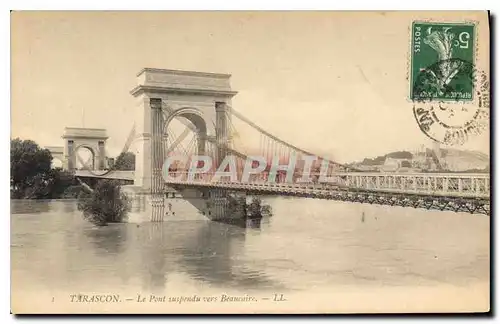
(477, 185)
(458, 185)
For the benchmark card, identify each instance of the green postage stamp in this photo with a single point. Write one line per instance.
(442, 57)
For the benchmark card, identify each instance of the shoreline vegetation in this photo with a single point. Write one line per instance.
(33, 177)
(253, 210)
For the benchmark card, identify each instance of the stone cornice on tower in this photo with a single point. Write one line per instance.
(76, 132)
(184, 72)
(183, 82)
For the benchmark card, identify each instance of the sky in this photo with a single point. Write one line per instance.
(334, 83)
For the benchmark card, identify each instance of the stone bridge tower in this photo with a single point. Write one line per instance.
(204, 99)
(94, 139)
(162, 95)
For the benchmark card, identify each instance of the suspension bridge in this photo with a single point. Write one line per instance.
(200, 105)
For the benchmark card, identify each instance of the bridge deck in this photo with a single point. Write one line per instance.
(427, 184)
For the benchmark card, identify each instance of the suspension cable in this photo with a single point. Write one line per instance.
(252, 124)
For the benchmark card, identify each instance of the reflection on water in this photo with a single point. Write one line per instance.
(155, 250)
(306, 244)
(254, 223)
(214, 256)
(30, 206)
(107, 240)
(69, 208)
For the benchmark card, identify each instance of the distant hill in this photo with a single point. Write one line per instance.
(461, 160)
(466, 154)
(450, 159)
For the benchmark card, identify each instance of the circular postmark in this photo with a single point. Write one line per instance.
(451, 101)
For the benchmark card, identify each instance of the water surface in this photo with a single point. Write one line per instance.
(307, 246)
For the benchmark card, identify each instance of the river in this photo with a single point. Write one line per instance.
(318, 255)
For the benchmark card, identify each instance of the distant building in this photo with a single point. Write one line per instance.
(424, 161)
(363, 167)
(395, 164)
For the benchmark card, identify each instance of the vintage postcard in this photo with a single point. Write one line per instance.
(250, 162)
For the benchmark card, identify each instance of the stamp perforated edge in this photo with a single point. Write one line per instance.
(409, 58)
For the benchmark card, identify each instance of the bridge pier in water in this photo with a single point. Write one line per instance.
(186, 204)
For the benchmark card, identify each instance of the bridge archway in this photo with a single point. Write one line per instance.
(85, 157)
(92, 139)
(57, 163)
(197, 121)
(57, 153)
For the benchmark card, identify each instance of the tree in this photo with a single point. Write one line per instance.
(125, 161)
(30, 169)
(237, 205)
(255, 208)
(61, 181)
(106, 204)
